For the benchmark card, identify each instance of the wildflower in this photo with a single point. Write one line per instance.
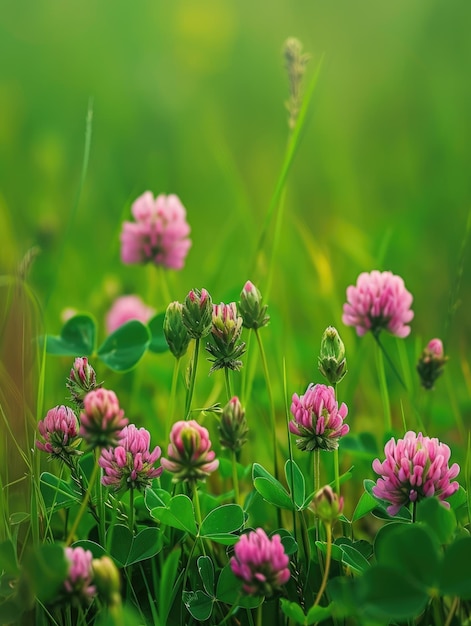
(378, 301)
(332, 361)
(130, 465)
(78, 584)
(225, 334)
(82, 379)
(431, 363)
(175, 331)
(125, 309)
(415, 467)
(261, 563)
(159, 233)
(197, 313)
(254, 314)
(318, 421)
(233, 427)
(60, 431)
(327, 505)
(189, 452)
(102, 419)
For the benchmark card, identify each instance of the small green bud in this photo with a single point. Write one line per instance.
(253, 313)
(197, 313)
(107, 580)
(327, 505)
(233, 427)
(332, 362)
(175, 331)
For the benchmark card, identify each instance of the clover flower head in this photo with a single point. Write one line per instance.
(332, 362)
(125, 309)
(159, 233)
(233, 427)
(189, 455)
(254, 314)
(415, 467)
(260, 562)
(197, 313)
(130, 465)
(102, 419)
(431, 363)
(327, 505)
(78, 584)
(226, 329)
(378, 301)
(60, 431)
(318, 421)
(82, 379)
(175, 331)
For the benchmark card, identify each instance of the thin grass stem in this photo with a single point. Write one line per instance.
(86, 498)
(191, 386)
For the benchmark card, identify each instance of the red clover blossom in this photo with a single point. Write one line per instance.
(415, 467)
(78, 584)
(102, 419)
(60, 431)
(130, 465)
(260, 562)
(159, 233)
(318, 421)
(378, 301)
(189, 452)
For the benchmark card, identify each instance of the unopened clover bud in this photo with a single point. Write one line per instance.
(431, 363)
(233, 425)
(197, 313)
(332, 362)
(254, 314)
(175, 331)
(82, 379)
(107, 580)
(224, 346)
(327, 505)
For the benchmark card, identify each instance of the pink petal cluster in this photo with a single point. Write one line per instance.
(159, 233)
(261, 563)
(189, 452)
(80, 575)
(102, 419)
(125, 309)
(60, 431)
(378, 301)
(318, 421)
(415, 467)
(130, 465)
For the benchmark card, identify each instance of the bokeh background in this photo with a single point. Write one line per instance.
(189, 98)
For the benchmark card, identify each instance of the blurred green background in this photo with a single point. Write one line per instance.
(188, 98)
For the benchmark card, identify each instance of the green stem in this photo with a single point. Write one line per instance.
(131, 511)
(101, 503)
(191, 387)
(272, 413)
(383, 385)
(235, 478)
(260, 614)
(84, 505)
(389, 360)
(228, 383)
(270, 399)
(317, 470)
(173, 395)
(328, 554)
(163, 284)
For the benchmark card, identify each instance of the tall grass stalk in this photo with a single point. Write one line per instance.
(290, 152)
(74, 209)
(383, 386)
